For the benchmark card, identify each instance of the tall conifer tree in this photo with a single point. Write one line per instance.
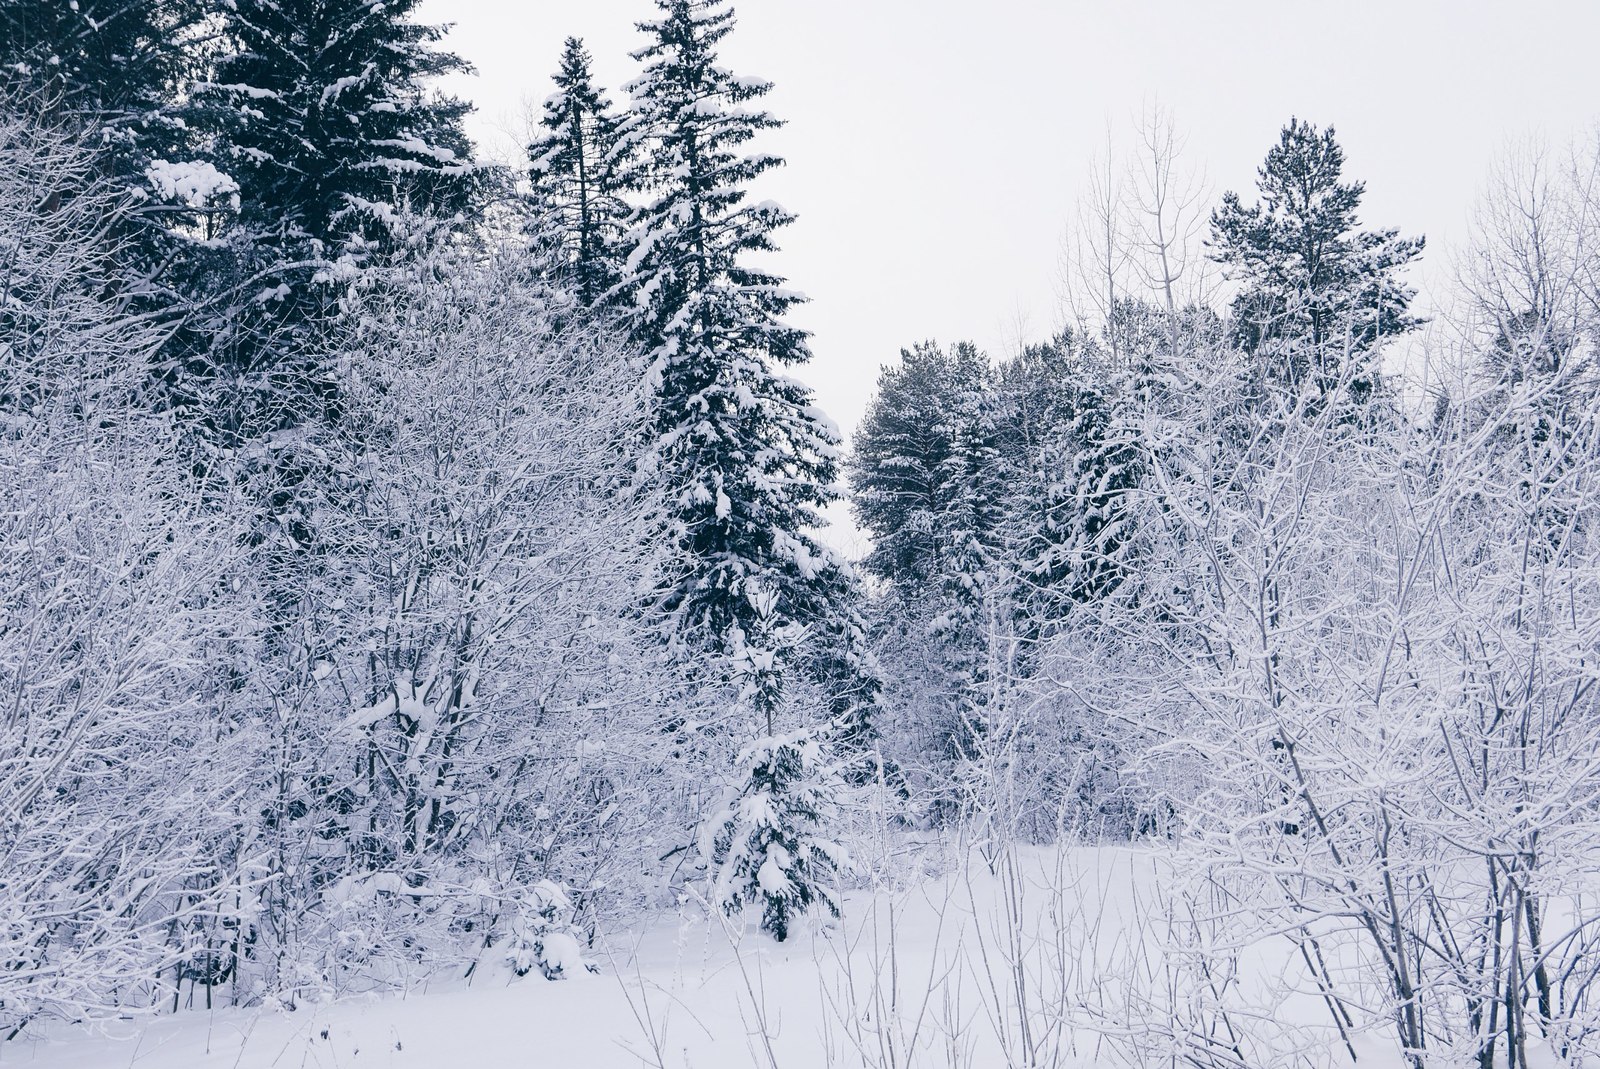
(926, 473)
(928, 483)
(744, 457)
(575, 169)
(747, 459)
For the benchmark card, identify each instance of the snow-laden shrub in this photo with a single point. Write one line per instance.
(117, 771)
(1357, 665)
(540, 933)
(477, 705)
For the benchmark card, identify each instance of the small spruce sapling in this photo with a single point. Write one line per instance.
(768, 842)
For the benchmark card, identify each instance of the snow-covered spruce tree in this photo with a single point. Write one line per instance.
(745, 456)
(119, 69)
(1072, 554)
(1034, 392)
(969, 525)
(899, 467)
(1073, 538)
(1315, 292)
(111, 63)
(575, 170)
(1036, 399)
(768, 842)
(745, 459)
(925, 470)
(320, 112)
(117, 772)
(771, 839)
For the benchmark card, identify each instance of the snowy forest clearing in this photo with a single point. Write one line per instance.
(410, 567)
(1055, 957)
(930, 975)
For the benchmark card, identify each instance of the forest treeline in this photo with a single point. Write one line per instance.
(410, 566)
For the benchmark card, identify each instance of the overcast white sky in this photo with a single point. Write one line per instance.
(936, 147)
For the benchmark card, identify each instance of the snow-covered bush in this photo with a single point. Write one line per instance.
(540, 934)
(1356, 664)
(481, 700)
(117, 772)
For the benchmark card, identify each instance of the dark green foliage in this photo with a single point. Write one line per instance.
(335, 127)
(1316, 292)
(337, 145)
(575, 168)
(1034, 393)
(929, 486)
(117, 70)
(1068, 514)
(923, 470)
(116, 64)
(1085, 527)
(344, 160)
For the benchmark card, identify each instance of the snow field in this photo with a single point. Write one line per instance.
(1034, 957)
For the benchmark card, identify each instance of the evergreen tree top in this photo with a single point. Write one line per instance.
(690, 238)
(930, 426)
(575, 170)
(691, 26)
(576, 96)
(1300, 176)
(684, 97)
(1308, 272)
(329, 118)
(1305, 208)
(746, 457)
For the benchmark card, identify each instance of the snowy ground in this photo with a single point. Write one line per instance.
(1054, 960)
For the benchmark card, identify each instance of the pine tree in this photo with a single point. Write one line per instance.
(575, 169)
(926, 471)
(839, 660)
(897, 465)
(1315, 290)
(1120, 420)
(1074, 554)
(745, 457)
(970, 520)
(1034, 391)
(1045, 386)
(928, 485)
